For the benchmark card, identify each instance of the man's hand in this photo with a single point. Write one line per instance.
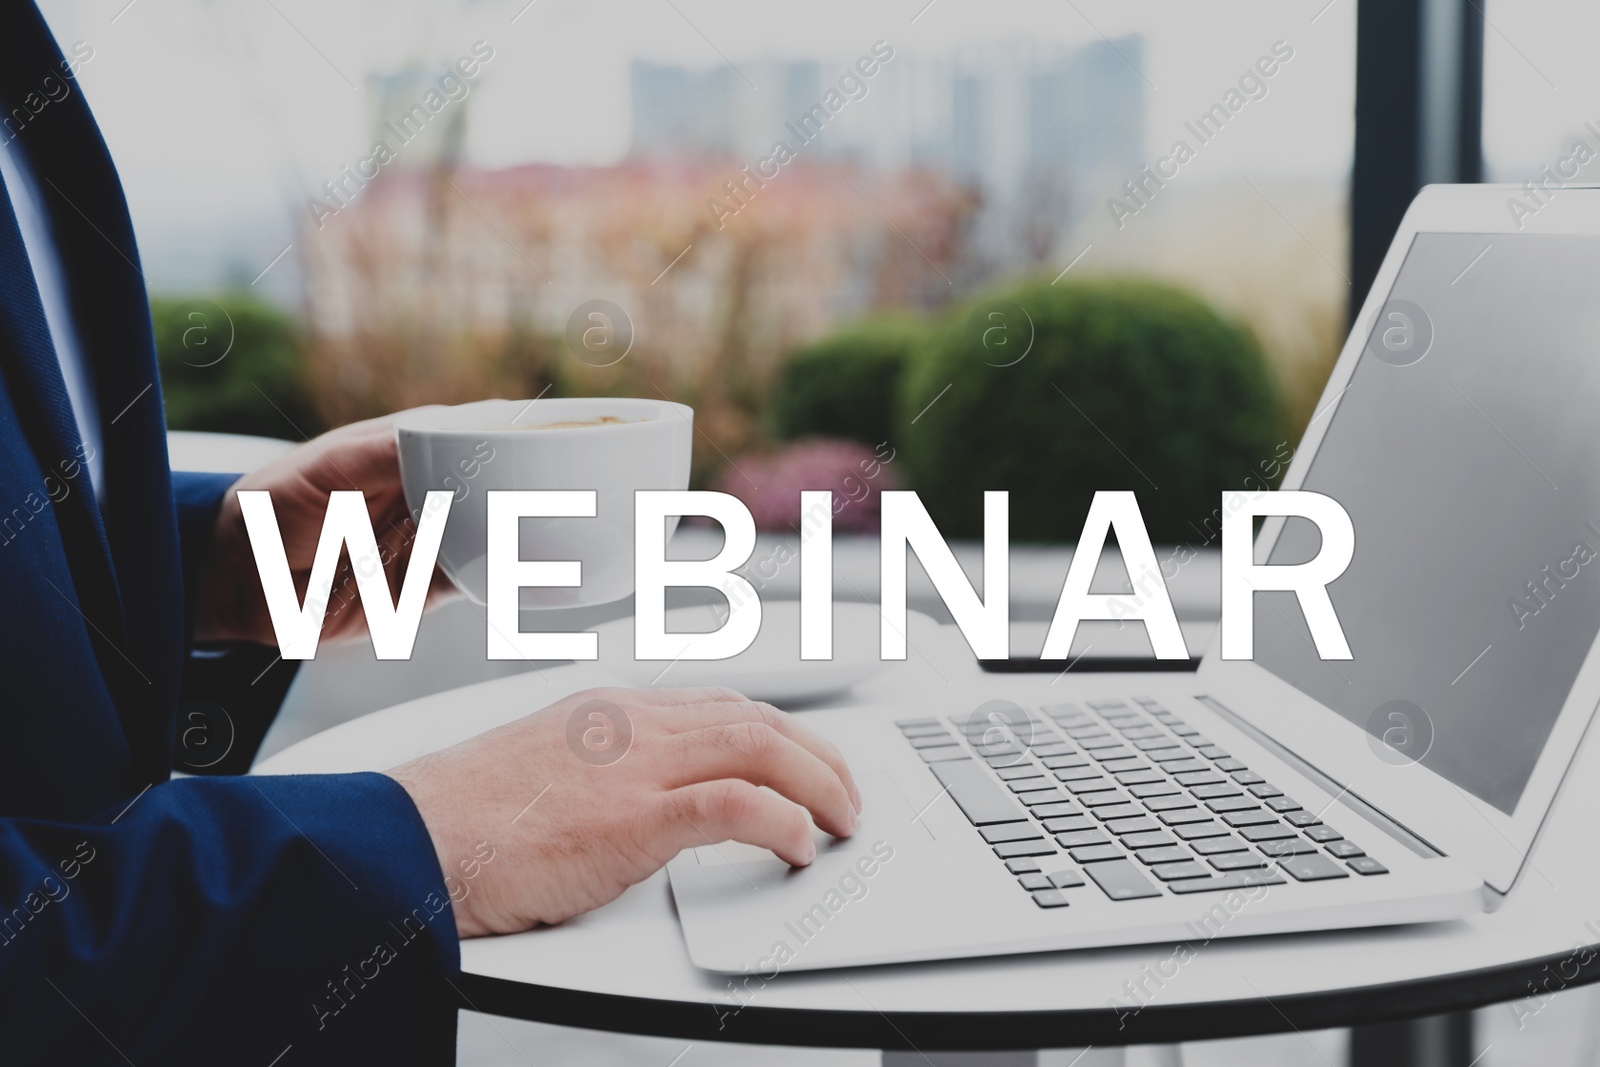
(598, 791)
(363, 455)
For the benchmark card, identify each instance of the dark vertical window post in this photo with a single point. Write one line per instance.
(1419, 116)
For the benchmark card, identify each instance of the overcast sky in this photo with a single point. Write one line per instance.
(224, 116)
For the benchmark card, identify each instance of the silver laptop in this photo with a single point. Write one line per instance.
(1286, 793)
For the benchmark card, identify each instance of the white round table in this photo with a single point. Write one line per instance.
(624, 967)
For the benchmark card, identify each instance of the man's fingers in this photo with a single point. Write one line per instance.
(760, 755)
(703, 716)
(709, 813)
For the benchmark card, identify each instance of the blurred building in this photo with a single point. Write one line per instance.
(1041, 133)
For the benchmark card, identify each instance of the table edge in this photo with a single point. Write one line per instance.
(945, 1031)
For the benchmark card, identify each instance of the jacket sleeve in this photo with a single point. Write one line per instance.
(231, 692)
(227, 920)
(197, 496)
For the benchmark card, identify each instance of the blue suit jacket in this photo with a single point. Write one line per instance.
(214, 920)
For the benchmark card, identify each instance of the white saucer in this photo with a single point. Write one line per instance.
(770, 669)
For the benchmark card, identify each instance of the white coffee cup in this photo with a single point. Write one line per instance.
(614, 446)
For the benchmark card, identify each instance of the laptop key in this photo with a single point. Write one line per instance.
(1256, 817)
(1165, 854)
(1192, 766)
(1172, 872)
(1289, 846)
(1141, 777)
(1118, 811)
(1367, 865)
(1313, 867)
(1194, 778)
(1183, 816)
(1301, 818)
(1212, 792)
(1210, 846)
(1084, 786)
(1033, 780)
(1014, 849)
(1267, 833)
(1108, 755)
(1147, 839)
(932, 741)
(1151, 744)
(1139, 825)
(1103, 799)
(1223, 805)
(1086, 773)
(1248, 778)
(1145, 790)
(1265, 790)
(1234, 861)
(1124, 766)
(1066, 762)
(1055, 811)
(1168, 756)
(1210, 828)
(1210, 751)
(1169, 802)
(1230, 880)
(1069, 824)
(1021, 770)
(923, 730)
(1228, 763)
(1050, 747)
(1121, 880)
(1010, 831)
(1065, 878)
(1092, 744)
(978, 795)
(1035, 881)
(1022, 865)
(1050, 898)
(942, 755)
(1322, 834)
(1037, 797)
(1091, 854)
(1082, 838)
(1345, 849)
(1280, 803)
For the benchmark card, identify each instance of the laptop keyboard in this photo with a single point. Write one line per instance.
(1126, 796)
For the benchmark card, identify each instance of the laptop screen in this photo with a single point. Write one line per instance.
(1466, 449)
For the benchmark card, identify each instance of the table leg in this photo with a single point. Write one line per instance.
(1432, 1041)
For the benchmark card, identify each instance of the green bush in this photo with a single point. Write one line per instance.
(1128, 385)
(845, 385)
(233, 365)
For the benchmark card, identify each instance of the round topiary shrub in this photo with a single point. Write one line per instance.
(1054, 392)
(844, 386)
(222, 360)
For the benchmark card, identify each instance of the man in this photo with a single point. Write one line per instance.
(309, 919)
